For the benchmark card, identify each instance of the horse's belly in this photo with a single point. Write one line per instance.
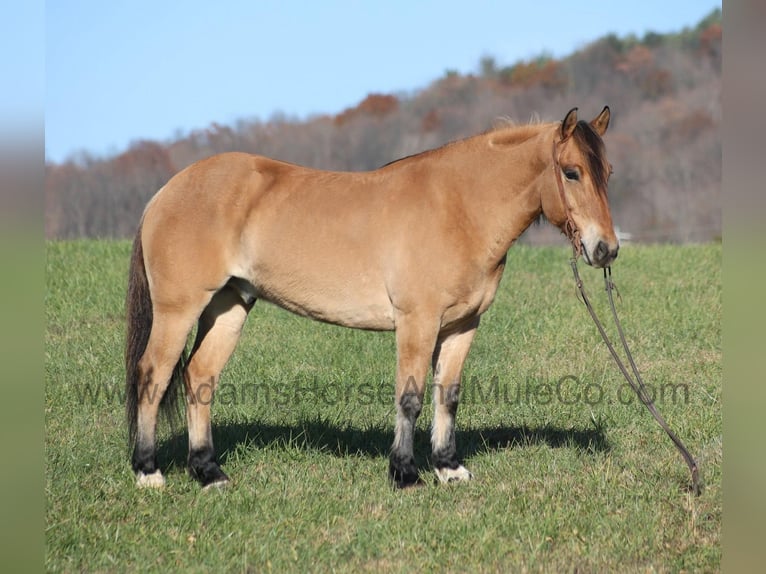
(347, 303)
(360, 316)
(339, 310)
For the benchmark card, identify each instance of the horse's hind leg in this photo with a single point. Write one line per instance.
(163, 350)
(220, 326)
(448, 360)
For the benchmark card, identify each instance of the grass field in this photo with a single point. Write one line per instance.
(572, 472)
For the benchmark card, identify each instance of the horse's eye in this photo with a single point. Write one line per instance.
(572, 174)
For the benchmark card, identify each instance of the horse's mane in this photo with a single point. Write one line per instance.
(593, 147)
(505, 122)
(512, 132)
(584, 135)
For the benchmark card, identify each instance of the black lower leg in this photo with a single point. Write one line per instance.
(401, 468)
(204, 467)
(144, 458)
(445, 455)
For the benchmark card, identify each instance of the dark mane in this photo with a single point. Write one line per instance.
(593, 147)
(393, 161)
(419, 154)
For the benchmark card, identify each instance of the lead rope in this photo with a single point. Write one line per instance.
(637, 385)
(573, 233)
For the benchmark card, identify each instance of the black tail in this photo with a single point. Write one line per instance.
(138, 310)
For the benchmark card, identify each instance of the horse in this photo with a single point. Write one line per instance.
(417, 247)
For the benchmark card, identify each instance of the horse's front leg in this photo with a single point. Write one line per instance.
(415, 340)
(448, 359)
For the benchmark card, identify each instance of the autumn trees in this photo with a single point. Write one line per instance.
(665, 141)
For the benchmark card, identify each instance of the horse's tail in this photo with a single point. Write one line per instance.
(138, 310)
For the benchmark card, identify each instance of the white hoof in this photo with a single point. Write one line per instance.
(217, 485)
(459, 474)
(153, 480)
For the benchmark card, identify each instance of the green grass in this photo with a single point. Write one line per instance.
(575, 478)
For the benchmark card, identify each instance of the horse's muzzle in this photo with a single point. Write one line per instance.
(600, 256)
(603, 254)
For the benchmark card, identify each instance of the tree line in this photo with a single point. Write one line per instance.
(664, 142)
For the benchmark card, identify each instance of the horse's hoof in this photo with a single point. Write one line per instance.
(218, 484)
(153, 480)
(447, 475)
(409, 484)
(402, 471)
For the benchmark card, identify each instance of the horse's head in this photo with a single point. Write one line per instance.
(577, 202)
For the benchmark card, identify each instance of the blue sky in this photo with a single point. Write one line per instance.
(22, 68)
(118, 71)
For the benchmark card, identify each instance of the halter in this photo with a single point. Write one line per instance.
(570, 229)
(573, 234)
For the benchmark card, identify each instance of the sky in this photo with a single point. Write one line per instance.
(121, 71)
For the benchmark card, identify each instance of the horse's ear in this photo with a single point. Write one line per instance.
(601, 122)
(569, 124)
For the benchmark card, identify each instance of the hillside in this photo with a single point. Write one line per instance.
(664, 141)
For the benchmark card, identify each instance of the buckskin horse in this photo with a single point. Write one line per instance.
(417, 246)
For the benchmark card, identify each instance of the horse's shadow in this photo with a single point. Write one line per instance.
(375, 442)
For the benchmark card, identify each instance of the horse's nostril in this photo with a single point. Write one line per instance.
(601, 251)
(616, 252)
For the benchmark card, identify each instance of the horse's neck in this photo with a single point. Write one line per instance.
(509, 170)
